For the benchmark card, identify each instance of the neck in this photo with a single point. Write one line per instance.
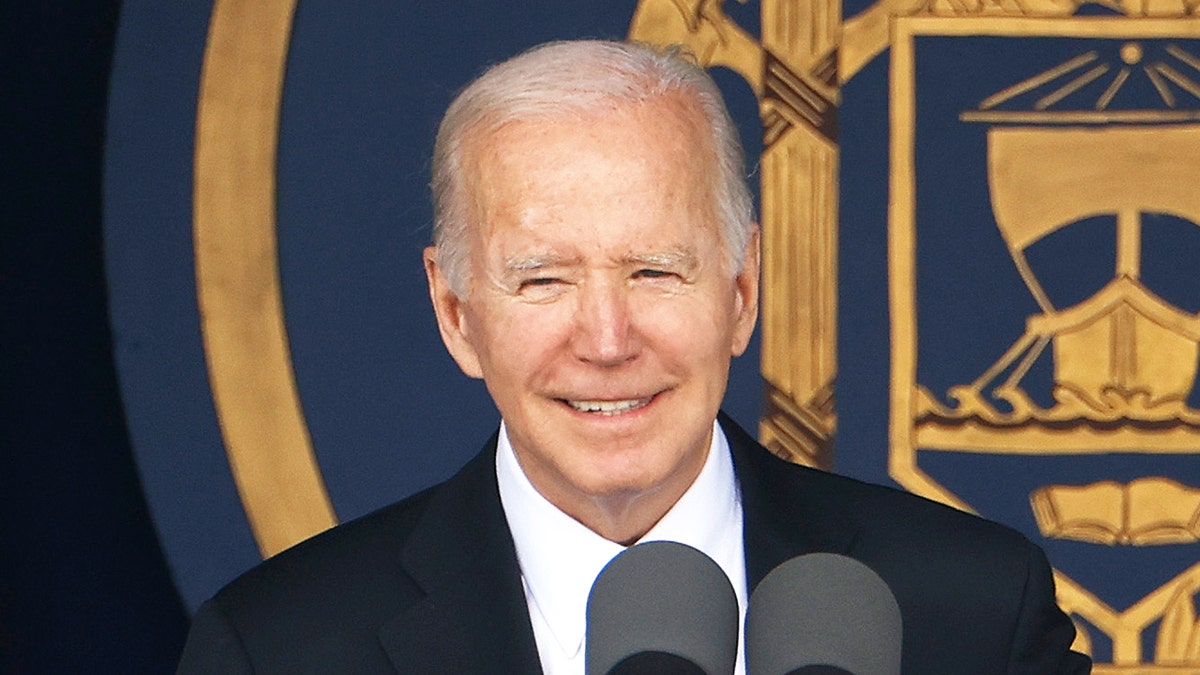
(621, 516)
(622, 509)
(623, 519)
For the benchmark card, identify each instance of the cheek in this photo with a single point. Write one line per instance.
(519, 340)
(688, 327)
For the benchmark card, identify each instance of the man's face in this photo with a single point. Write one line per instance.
(602, 313)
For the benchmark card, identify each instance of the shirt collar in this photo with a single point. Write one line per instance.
(560, 558)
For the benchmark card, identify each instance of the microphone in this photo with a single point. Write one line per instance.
(661, 607)
(823, 613)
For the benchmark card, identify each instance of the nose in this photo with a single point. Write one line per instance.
(604, 334)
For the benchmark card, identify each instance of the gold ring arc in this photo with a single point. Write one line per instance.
(238, 286)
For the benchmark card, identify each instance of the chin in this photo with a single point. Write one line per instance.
(603, 479)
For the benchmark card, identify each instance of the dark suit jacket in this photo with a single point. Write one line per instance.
(431, 584)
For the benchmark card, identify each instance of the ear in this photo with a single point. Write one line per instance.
(450, 311)
(747, 295)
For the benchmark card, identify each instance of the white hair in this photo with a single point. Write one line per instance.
(561, 79)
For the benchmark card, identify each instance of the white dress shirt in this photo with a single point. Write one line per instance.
(560, 558)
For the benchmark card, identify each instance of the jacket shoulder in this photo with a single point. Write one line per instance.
(888, 513)
(329, 593)
(959, 579)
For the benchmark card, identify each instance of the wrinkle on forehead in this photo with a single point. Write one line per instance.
(679, 256)
(672, 118)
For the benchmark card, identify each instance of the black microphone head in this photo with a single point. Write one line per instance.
(661, 597)
(823, 609)
(656, 663)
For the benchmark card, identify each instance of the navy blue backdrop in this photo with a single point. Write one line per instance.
(83, 584)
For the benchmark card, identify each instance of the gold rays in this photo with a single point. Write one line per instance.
(1172, 75)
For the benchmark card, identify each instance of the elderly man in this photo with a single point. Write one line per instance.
(596, 264)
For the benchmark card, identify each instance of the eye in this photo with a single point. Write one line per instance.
(540, 289)
(539, 281)
(650, 273)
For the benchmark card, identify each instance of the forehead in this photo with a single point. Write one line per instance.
(651, 157)
(668, 130)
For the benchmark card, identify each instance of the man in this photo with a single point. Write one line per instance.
(596, 264)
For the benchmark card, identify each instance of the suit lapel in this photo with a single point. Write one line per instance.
(788, 510)
(473, 617)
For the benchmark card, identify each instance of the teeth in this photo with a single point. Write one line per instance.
(608, 407)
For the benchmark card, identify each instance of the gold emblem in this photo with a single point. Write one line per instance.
(1143, 512)
(1122, 362)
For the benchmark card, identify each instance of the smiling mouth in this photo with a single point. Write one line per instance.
(609, 407)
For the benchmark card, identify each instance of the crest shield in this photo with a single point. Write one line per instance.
(1050, 199)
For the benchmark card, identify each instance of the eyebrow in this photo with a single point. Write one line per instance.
(679, 257)
(528, 263)
(674, 258)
